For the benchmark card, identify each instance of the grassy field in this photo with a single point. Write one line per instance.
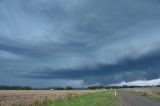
(58, 98)
(103, 98)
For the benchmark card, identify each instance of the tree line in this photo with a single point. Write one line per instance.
(4, 87)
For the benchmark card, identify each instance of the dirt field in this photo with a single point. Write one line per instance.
(10, 97)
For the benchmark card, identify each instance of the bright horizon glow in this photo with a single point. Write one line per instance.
(152, 82)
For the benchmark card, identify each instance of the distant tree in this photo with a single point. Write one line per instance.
(69, 88)
(59, 88)
(158, 85)
(3, 87)
(95, 87)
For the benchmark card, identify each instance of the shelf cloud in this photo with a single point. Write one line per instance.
(78, 42)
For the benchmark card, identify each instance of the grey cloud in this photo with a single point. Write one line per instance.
(146, 67)
(78, 39)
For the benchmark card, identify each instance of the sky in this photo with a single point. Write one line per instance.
(79, 42)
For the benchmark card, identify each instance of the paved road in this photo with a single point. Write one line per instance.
(129, 99)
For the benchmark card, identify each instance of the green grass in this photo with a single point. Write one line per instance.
(102, 98)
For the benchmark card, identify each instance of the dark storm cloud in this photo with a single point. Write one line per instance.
(144, 67)
(107, 40)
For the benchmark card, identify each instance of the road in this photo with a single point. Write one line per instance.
(130, 99)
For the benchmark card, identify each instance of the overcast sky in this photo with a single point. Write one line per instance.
(78, 42)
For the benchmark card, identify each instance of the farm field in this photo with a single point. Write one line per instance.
(56, 98)
(9, 97)
(125, 97)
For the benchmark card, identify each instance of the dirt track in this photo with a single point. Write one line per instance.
(129, 99)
